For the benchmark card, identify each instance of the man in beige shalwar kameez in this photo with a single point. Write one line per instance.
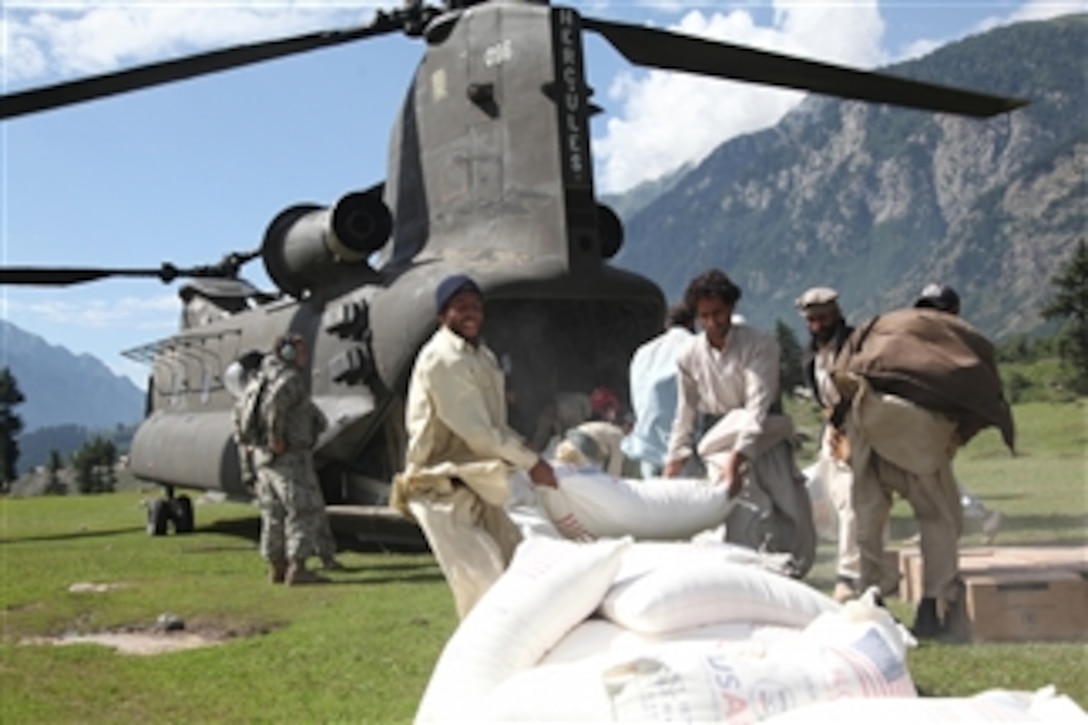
(468, 477)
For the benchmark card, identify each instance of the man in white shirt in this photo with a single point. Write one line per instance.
(654, 391)
(732, 371)
(467, 474)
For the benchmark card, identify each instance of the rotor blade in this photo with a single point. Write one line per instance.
(154, 74)
(673, 51)
(58, 277)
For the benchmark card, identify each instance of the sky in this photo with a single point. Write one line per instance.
(189, 171)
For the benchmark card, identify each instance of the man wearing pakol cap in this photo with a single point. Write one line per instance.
(939, 297)
(916, 385)
(944, 298)
(468, 477)
(827, 332)
(731, 372)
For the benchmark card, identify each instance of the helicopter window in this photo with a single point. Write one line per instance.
(177, 387)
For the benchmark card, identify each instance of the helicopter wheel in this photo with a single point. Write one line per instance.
(182, 514)
(158, 517)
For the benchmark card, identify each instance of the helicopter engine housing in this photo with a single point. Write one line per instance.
(309, 246)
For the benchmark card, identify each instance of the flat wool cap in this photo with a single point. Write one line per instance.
(940, 297)
(816, 298)
(450, 286)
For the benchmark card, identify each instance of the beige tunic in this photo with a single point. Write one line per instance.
(456, 411)
(460, 452)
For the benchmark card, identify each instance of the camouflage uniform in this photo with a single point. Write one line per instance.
(292, 507)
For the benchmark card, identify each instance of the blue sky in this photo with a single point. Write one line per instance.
(186, 172)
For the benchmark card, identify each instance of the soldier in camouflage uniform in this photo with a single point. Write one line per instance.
(292, 507)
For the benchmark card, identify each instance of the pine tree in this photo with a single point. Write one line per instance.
(54, 485)
(1071, 304)
(10, 427)
(83, 463)
(791, 374)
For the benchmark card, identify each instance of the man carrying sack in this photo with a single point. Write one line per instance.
(469, 477)
(916, 385)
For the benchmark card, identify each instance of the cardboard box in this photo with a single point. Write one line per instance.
(1028, 604)
(992, 560)
(1015, 594)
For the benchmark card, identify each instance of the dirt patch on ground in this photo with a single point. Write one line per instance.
(159, 639)
(95, 587)
(133, 643)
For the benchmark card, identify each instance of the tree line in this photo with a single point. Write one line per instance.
(94, 464)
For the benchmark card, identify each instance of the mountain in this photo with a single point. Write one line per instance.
(878, 201)
(63, 388)
(630, 202)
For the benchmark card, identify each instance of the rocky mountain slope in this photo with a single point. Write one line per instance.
(878, 201)
(63, 388)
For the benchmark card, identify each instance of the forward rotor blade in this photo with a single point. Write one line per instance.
(673, 51)
(58, 277)
(154, 74)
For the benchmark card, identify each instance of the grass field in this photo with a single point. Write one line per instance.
(361, 649)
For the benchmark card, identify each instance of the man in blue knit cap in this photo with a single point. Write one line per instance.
(468, 476)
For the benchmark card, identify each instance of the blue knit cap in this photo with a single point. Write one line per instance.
(450, 286)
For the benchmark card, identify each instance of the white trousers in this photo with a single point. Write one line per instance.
(474, 541)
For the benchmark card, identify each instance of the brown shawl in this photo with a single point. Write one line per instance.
(935, 360)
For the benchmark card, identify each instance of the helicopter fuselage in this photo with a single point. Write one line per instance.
(489, 175)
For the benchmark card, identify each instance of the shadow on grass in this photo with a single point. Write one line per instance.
(433, 576)
(249, 528)
(69, 535)
(401, 566)
(246, 528)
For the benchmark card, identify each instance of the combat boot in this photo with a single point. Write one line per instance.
(297, 573)
(957, 626)
(926, 623)
(278, 572)
(331, 563)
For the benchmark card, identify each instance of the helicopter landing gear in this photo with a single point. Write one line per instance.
(161, 512)
(158, 516)
(182, 515)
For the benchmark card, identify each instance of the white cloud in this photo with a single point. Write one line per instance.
(129, 313)
(667, 119)
(919, 48)
(47, 41)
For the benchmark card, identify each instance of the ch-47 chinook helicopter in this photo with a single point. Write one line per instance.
(489, 173)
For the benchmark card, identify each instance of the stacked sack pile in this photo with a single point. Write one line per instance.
(617, 630)
(599, 627)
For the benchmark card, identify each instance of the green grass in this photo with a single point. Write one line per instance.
(362, 649)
